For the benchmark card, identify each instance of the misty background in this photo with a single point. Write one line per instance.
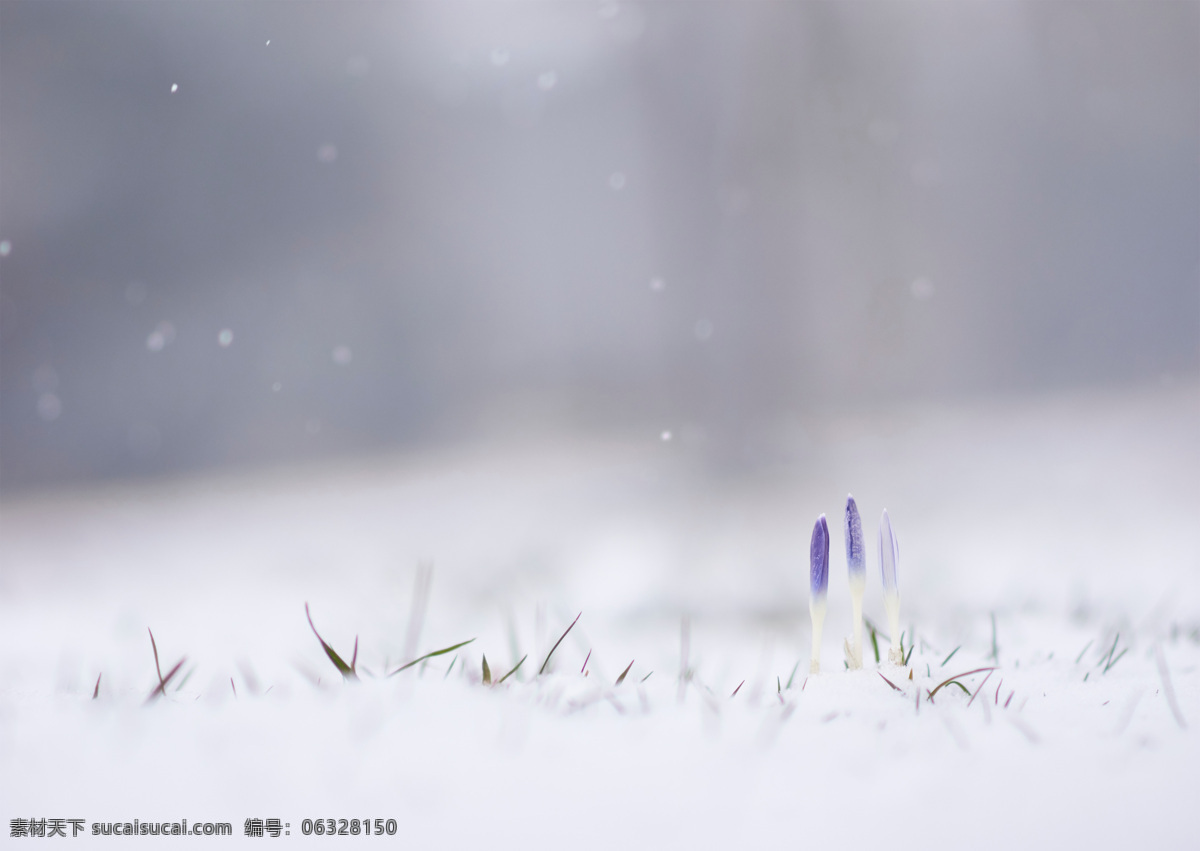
(259, 233)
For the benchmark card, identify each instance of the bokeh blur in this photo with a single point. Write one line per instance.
(260, 233)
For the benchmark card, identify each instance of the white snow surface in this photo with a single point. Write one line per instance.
(1074, 522)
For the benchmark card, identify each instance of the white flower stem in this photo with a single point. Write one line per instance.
(854, 652)
(816, 609)
(891, 602)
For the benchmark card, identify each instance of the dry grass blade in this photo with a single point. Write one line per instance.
(955, 677)
(345, 670)
(542, 669)
(889, 682)
(487, 672)
(978, 690)
(624, 673)
(441, 652)
(96, 690)
(514, 669)
(158, 670)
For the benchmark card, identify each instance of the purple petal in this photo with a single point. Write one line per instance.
(855, 555)
(889, 552)
(819, 557)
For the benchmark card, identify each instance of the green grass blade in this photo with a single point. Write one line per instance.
(795, 668)
(955, 677)
(441, 652)
(345, 670)
(951, 656)
(514, 670)
(621, 678)
(487, 672)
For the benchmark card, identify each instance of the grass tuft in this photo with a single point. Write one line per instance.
(542, 669)
(347, 671)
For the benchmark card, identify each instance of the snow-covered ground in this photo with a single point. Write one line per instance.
(1072, 524)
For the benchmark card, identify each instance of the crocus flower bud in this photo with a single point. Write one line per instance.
(889, 557)
(819, 558)
(856, 565)
(855, 556)
(889, 553)
(818, 552)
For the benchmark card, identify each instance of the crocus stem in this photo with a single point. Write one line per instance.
(891, 602)
(854, 651)
(816, 609)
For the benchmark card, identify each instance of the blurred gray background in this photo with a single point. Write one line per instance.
(258, 233)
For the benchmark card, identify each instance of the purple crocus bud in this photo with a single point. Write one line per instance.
(819, 558)
(855, 557)
(889, 554)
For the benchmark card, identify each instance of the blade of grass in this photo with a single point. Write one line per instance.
(1110, 652)
(892, 684)
(1114, 661)
(951, 656)
(643, 679)
(157, 669)
(422, 583)
(487, 672)
(585, 661)
(1084, 650)
(871, 626)
(514, 670)
(624, 673)
(186, 677)
(451, 668)
(542, 669)
(995, 655)
(161, 688)
(792, 677)
(981, 685)
(739, 688)
(96, 690)
(875, 645)
(955, 677)
(1164, 674)
(441, 652)
(911, 648)
(345, 670)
